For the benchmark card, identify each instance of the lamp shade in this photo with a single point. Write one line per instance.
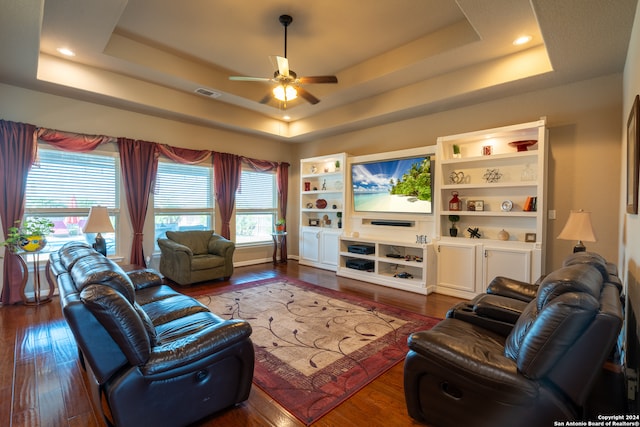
(578, 227)
(98, 221)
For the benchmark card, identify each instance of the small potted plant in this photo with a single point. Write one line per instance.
(453, 231)
(280, 225)
(337, 165)
(339, 215)
(29, 236)
(456, 151)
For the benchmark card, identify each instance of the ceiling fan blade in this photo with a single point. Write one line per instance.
(250, 79)
(303, 93)
(317, 79)
(268, 97)
(283, 66)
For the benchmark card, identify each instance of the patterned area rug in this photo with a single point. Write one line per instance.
(316, 347)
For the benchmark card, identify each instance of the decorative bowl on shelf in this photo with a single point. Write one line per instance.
(523, 145)
(321, 203)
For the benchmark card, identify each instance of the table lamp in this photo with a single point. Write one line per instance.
(578, 227)
(99, 222)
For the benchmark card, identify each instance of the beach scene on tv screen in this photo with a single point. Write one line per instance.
(399, 185)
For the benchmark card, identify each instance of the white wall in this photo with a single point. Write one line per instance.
(630, 224)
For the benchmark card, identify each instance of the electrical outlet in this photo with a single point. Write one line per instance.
(552, 214)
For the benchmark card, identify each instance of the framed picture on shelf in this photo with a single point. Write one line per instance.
(633, 156)
(530, 237)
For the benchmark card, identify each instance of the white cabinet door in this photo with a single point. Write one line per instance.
(507, 262)
(456, 269)
(329, 247)
(310, 244)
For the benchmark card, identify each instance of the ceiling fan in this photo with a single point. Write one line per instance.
(288, 83)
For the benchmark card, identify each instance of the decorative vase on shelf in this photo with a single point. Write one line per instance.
(503, 235)
(453, 232)
(455, 204)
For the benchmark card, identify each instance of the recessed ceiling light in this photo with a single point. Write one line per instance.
(522, 40)
(66, 51)
(286, 117)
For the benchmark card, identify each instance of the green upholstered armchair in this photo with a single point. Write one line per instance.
(195, 256)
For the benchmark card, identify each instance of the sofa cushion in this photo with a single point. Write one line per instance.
(575, 278)
(148, 324)
(196, 240)
(205, 262)
(556, 327)
(168, 309)
(97, 269)
(121, 320)
(588, 258)
(72, 252)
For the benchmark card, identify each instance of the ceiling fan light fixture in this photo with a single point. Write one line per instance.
(285, 93)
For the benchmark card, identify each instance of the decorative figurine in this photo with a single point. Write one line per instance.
(473, 233)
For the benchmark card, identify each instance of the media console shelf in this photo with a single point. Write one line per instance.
(400, 265)
(498, 178)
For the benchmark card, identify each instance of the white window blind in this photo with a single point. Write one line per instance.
(183, 186)
(183, 198)
(256, 191)
(72, 180)
(64, 185)
(256, 207)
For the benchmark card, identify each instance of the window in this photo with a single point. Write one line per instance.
(256, 207)
(183, 198)
(64, 185)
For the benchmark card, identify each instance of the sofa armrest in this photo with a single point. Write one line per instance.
(144, 278)
(469, 356)
(512, 288)
(188, 350)
(174, 247)
(218, 245)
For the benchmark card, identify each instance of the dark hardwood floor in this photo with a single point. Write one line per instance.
(42, 383)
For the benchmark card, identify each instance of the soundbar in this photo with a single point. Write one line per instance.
(393, 223)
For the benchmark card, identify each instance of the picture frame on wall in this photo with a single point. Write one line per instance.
(633, 156)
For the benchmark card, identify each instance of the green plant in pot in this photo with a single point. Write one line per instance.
(29, 236)
(337, 164)
(453, 231)
(280, 225)
(339, 215)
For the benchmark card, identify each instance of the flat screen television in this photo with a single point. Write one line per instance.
(402, 185)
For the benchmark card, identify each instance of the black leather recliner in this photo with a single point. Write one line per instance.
(459, 373)
(153, 356)
(505, 299)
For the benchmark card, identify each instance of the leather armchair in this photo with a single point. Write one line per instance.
(459, 373)
(195, 256)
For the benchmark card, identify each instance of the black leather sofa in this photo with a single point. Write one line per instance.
(460, 373)
(152, 355)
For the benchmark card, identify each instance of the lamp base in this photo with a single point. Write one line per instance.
(100, 245)
(579, 247)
